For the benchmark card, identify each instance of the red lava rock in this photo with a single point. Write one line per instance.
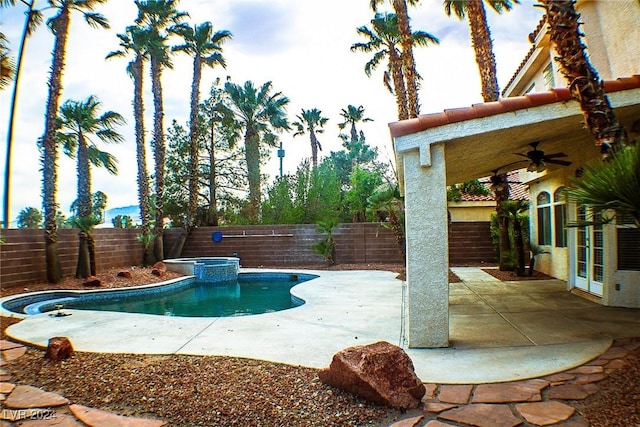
(159, 269)
(92, 281)
(381, 372)
(160, 266)
(125, 274)
(59, 348)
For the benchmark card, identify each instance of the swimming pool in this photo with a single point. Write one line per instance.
(251, 293)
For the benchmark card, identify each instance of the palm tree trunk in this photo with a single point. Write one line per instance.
(12, 115)
(141, 155)
(50, 146)
(502, 195)
(399, 86)
(159, 155)
(519, 242)
(584, 82)
(314, 149)
(483, 47)
(85, 262)
(408, 62)
(193, 145)
(252, 157)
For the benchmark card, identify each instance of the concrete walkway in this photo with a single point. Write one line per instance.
(499, 331)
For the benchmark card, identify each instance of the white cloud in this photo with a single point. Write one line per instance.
(303, 47)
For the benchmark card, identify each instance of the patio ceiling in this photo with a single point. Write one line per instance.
(485, 137)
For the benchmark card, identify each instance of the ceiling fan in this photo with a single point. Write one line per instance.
(538, 159)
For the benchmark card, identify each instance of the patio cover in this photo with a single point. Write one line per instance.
(457, 145)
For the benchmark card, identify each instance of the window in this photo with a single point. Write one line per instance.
(544, 218)
(628, 243)
(547, 73)
(560, 218)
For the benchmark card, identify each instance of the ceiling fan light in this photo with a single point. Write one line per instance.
(541, 167)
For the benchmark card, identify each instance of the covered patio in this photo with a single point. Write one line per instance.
(436, 150)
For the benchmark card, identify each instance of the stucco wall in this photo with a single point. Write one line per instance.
(613, 54)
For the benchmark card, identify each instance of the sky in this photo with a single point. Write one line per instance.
(302, 47)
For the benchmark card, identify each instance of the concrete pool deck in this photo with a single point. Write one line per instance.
(499, 331)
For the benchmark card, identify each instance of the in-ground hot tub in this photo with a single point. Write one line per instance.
(206, 269)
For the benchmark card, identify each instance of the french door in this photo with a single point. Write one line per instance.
(589, 272)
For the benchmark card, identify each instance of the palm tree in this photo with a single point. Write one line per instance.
(407, 41)
(512, 209)
(205, 46)
(383, 40)
(7, 67)
(32, 20)
(59, 24)
(134, 41)
(311, 121)
(77, 123)
(481, 41)
(30, 218)
(156, 16)
(613, 185)
(351, 116)
(584, 82)
(483, 46)
(260, 113)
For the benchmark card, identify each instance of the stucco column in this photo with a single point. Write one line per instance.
(427, 248)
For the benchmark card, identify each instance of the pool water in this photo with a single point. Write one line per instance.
(250, 294)
(204, 300)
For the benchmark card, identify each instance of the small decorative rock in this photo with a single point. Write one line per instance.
(159, 269)
(125, 274)
(92, 281)
(379, 372)
(59, 348)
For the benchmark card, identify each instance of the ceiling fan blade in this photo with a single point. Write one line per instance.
(554, 155)
(557, 162)
(523, 155)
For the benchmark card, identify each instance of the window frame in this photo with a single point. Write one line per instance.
(543, 211)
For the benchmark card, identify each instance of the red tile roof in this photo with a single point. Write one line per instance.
(476, 111)
(517, 190)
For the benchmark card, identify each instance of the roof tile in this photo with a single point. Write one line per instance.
(454, 115)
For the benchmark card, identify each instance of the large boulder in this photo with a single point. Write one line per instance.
(59, 348)
(381, 372)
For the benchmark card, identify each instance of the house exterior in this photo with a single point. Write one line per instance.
(480, 207)
(456, 145)
(597, 260)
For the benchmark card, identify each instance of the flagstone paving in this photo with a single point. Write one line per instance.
(535, 402)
